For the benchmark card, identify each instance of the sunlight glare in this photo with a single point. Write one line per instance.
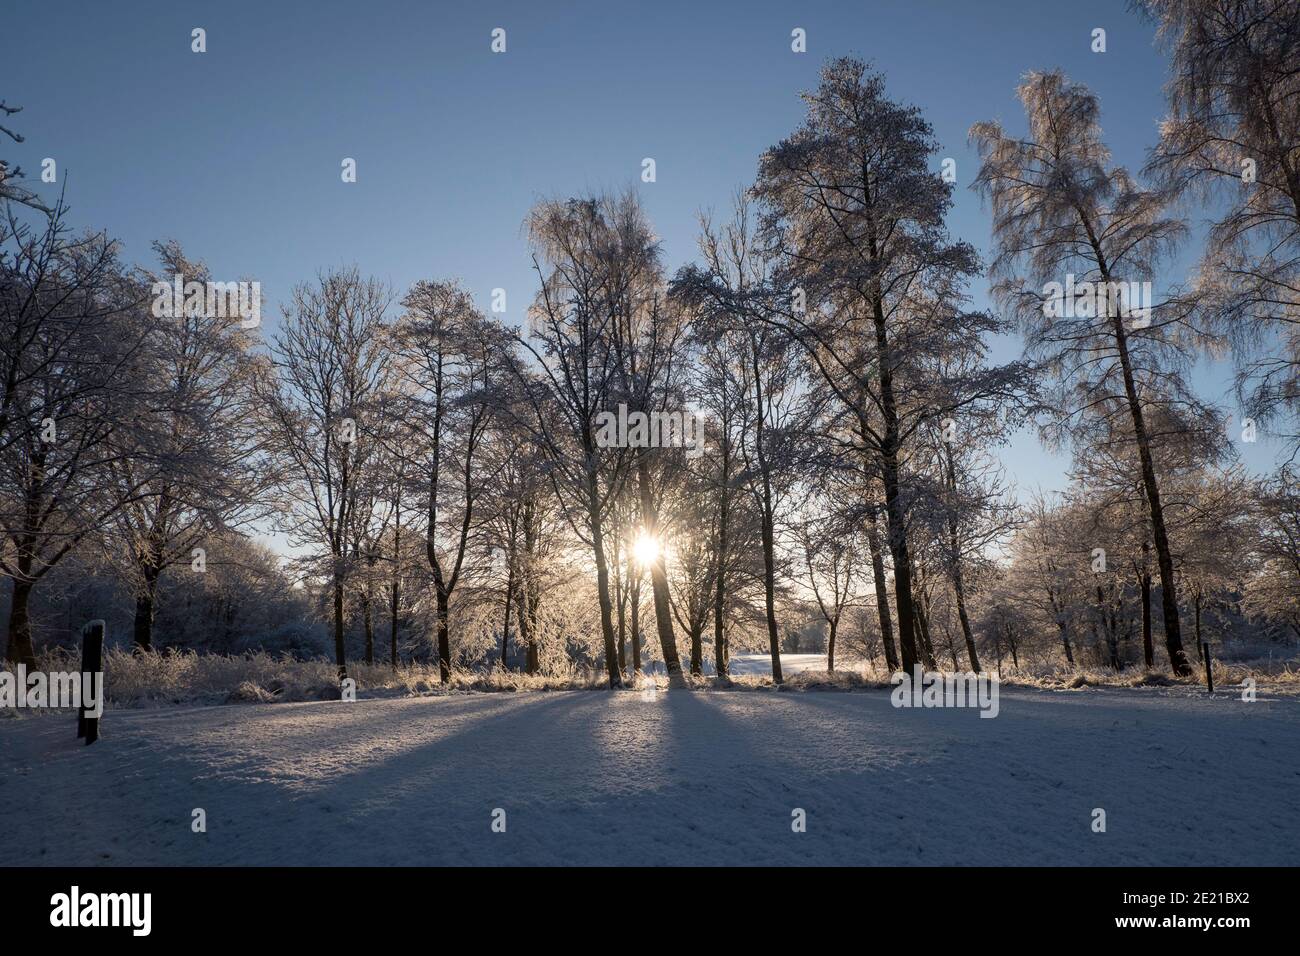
(646, 549)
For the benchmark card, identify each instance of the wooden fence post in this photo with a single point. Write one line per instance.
(92, 663)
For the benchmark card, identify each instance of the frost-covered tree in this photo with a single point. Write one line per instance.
(1272, 591)
(331, 357)
(871, 284)
(1233, 135)
(12, 189)
(447, 355)
(199, 468)
(73, 322)
(1073, 233)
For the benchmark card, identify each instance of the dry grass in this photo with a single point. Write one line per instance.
(155, 679)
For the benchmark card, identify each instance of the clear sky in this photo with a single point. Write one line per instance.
(236, 152)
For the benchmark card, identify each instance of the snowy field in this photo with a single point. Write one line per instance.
(674, 777)
(760, 665)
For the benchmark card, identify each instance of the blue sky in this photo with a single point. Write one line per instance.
(236, 152)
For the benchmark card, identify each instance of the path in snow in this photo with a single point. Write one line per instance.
(674, 777)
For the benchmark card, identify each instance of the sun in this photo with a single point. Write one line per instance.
(645, 549)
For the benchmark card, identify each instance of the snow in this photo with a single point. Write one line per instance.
(760, 665)
(673, 777)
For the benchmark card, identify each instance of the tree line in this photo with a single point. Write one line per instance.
(446, 487)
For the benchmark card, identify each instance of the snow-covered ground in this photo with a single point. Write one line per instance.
(760, 665)
(756, 665)
(675, 777)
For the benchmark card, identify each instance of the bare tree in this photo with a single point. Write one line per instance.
(200, 467)
(832, 563)
(575, 377)
(448, 353)
(11, 176)
(72, 323)
(768, 411)
(331, 354)
(1272, 591)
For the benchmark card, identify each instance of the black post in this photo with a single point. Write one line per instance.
(1209, 674)
(92, 663)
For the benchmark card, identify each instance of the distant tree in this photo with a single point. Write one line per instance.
(447, 362)
(1211, 534)
(331, 355)
(1272, 590)
(832, 563)
(574, 377)
(768, 407)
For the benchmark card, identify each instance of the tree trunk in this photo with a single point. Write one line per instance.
(340, 651)
(719, 590)
(635, 592)
(895, 511)
(923, 636)
(769, 589)
(505, 628)
(1164, 556)
(1148, 652)
(444, 636)
(602, 582)
(392, 623)
(368, 625)
(145, 601)
(526, 611)
(658, 577)
(959, 592)
(1199, 644)
(527, 595)
(1112, 638)
(622, 628)
(1065, 641)
(765, 507)
(830, 647)
(20, 649)
(958, 582)
(882, 595)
